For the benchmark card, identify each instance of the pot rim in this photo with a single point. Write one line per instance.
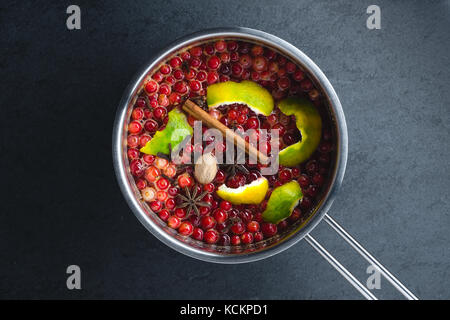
(296, 55)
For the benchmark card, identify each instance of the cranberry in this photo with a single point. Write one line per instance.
(196, 51)
(141, 184)
(209, 50)
(246, 61)
(132, 141)
(253, 226)
(225, 57)
(306, 85)
(158, 77)
(173, 222)
(295, 172)
(224, 240)
(258, 236)
(134, 127)
(214, 62)
(170, 203)
(144, 139)
(151, 174)
(234, 56)
(282, 225)
(285, 175)
(212, 77)
(201, 76)
(137, 114)
(283, 83)
(220, 176)
(260, 64)
(186, 228)
(312, 166)
(180, 213)
(252, 123)
(175, 62)
(180, 87)
(238, 228)
(257, 50)
(151, 87)
(318, 179)
(133, 153)
(211, 236)
(298, 75)
(209, 187)
(162, 183)
(232, 46)
(195, 85)
(185, 181)
(272, 119)
(164, 215)
(269, 229)
(165, 69)
(246, 215)
(295, 215)
(235, 240)
(270, 54)
(207, 222)
(303, 180)
(247, 238)
(151, 125)
(306, 203)
(236, 69)
(136, 168)
(220, 215)
(225, 205)
(155, 205)
(197, 234)
(173, 191)
(281, 129)
(163, 100)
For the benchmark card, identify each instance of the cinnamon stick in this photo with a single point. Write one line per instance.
(198, 113)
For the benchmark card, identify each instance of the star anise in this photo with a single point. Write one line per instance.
(192, 201)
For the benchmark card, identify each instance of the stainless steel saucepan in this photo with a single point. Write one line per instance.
(296, 232)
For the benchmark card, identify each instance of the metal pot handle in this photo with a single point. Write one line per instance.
(365, 254)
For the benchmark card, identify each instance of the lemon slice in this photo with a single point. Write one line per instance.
(309, 123)
(252, 193)
(282, 202)
(246, 92)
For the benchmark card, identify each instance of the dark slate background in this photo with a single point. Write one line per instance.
(60, 203)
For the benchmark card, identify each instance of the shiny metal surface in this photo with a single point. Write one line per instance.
(214, 253)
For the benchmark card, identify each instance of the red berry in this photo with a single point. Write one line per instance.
(211, 236)
(269, 229)
(298, 75)
(133, 153)
(283, 83)
(225, 205)
(253, 226)
(164, 215)
(151, 125)
(306, 85)
(132, 141)
(238, 228)
(186, 228)
(285, 175)
(214, 62)
(180, 213)
(247, 238)
(246, 61)
(212, 77)
(175, 62)
(195, 85)
(252, 123)
(173, 222)
(141, 184)
(209, 187)
(232, 46)
(134, 127)
(209, 50)
(235, 240)
(151, 86)
(220, 46)
(184, 181)
(155, 205)
(295, 172)
(220, 176)
(180, 87)
(236, 69)
(224, 240)
(170, 203)
(162, 183)
(207, 222)
(197, 234)
(165, 69)
(220, 215)
(260, 64)
(173, 191)
(136, 168)
(290, 67)
(258, 236)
